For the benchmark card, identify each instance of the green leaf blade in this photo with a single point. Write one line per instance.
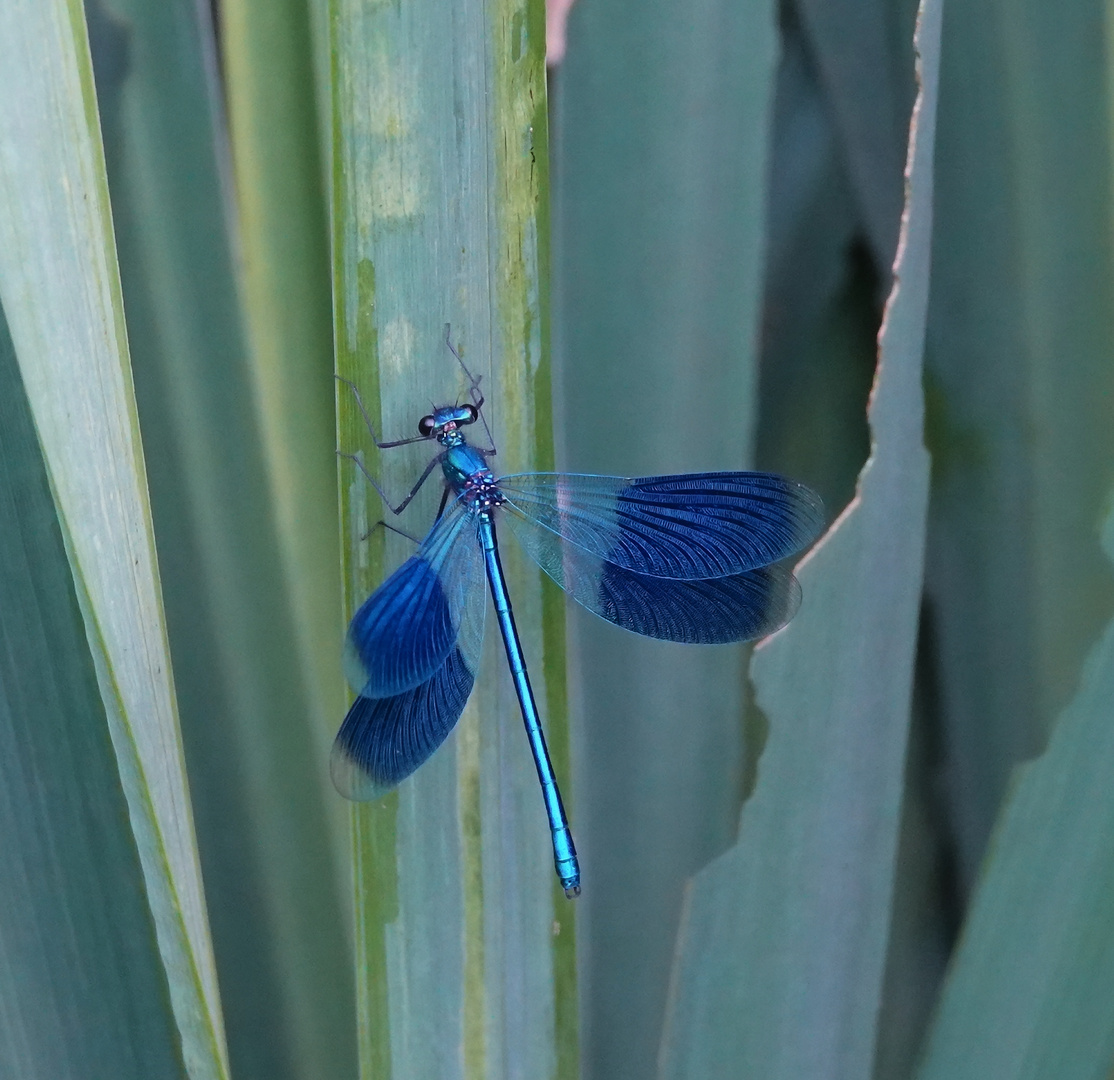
(660, 220)
(287, 307)
(440, 181)
(1030, 985)
(1021, 324)
(253, 725)
(781, 954)
(95, 998)
(60, 289)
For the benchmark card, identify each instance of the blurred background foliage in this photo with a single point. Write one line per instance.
(726, 183)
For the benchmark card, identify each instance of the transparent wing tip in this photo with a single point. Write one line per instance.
(351, 779)
(785, 602)
(809, 515)
(354, 671)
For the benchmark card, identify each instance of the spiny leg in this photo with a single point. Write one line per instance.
(382, 494)
(367, 420)
(402, 532)
(387, 525)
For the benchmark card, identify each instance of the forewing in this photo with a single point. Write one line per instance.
(433, 603)
(704, 611)
(383, 740)
(689, 527)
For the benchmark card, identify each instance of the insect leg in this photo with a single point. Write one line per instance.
(444, 501)
(473, 389)
(382, 494)
(367, 420)
(387, 525)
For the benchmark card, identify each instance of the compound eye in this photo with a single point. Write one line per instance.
(473, 414)
(426, 426)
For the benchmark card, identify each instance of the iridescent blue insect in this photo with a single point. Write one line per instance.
(694, 558)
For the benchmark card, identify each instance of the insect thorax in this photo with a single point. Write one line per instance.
(481, 491)
(466, 470)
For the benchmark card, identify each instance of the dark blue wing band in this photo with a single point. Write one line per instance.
(709, 611)
(383, 740)
(708, 525)
(403, 631)
(690, 527)
(699, 610)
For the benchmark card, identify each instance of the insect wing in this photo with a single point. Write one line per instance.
(689, 527)
(413, 693)
(704, 611)
(403, 633)
(383, 740)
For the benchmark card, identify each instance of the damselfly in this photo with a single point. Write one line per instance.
(693, 558)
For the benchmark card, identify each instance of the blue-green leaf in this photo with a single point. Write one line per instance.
(661, 202)
(782, 947)
(61, 294)
(464, 944)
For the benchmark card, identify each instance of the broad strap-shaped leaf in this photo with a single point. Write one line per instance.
(631, 219)
(440, 214)
(404, 631)
(89, 999)
(699, 525)
(780, 961)
(706, 611)
(1030, 983)
(60, 288)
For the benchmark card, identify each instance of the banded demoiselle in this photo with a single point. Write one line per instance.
(693, 558)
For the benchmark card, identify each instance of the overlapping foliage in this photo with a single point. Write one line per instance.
(782, 852)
